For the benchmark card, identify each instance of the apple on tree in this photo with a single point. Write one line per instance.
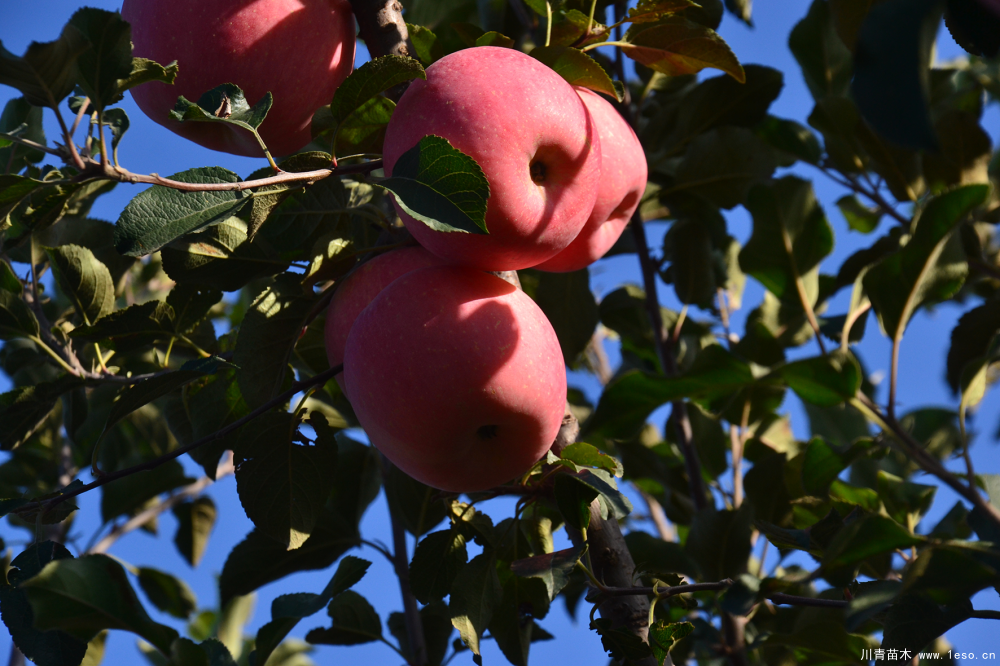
(623, 180)
(298, 50)
(457, 377)
(361, 287)
(531, 134)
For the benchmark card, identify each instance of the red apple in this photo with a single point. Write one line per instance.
(361, 287)
(298, 50)
(457, 377)
(623, 180)
(531, 134)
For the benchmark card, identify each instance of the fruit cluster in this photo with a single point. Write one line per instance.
(455, 374)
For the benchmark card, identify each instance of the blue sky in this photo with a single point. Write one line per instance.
(151, 148)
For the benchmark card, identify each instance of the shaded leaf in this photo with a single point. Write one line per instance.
(84, 279)
(824, 380)
(825, 61)
(437, 560)
(354, 622)
(475, 592)
(371, 79)
(676, 46)
(569, 305)
(578, 68)
(195, 521)
(552, 569)
(224, 104)
(168, 593)
(719, 541)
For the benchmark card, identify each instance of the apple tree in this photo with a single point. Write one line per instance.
(193, 325)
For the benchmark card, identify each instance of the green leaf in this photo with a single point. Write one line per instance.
(125, 495)
(790, 238)
(354, 622)
(145, 71)
(620, 643)
(569, 305)
(513, 623)
(20, 119)
(161, 214)
(677, 46)
(267, 337)
(426, 43)
(552, 569)
(573, 498)
(612, 500)
(370, 80)
(9, 280)
(905, 501)
(586, 455)
(109, 57)
(85, 280)
(949, 575)
(224, 104)
(117, 121)
(259, 559)
(823, 463)
(168, 593)
(437, 631)
(653, 10)
(83, 596)
(721, 165)
(134, 325)
(233, 619)
(742, 595)
(865, 537)
(972, 339)
(859, 217)
(825, 61)
(195, 521)
(47, 71)
(719, 541)
(45, 648)
(437, 560)
(16, 318)
(630, 399)
(23, 409)
(441, 186)
(928, 269)
(288, 609)
(664, 635)
(475, 593)
(415, 504)
(791, 138)
(658, 556)
(824, 380)
(283, 482)
(578, 68)
(894, 44)
(913, 621)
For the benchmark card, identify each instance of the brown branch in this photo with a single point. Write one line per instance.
(382, 26)
(305, 177)
(690, 588)
(104, 479)
(658, 516)
(985, 615)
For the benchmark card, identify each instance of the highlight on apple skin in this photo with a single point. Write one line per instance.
(457, 377)
(361, 287)
(298, 50)
(531, 134)
(623, 181)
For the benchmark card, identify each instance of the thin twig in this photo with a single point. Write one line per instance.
(34, 145)
(105, 479)
(305, 177)
(690, 588)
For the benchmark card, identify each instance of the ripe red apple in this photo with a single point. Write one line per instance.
(457, 377)
(361, 287)
(298, 50)
(531, 134)
(623, 180)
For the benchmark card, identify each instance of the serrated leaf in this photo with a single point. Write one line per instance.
(355, 622)
(653, 10)
(84, 279)
(109, 57)
(441, 186)
(663, 635)
(677, 46)
(426, 43)
(437, 560)
(267, 337)
(282, 483)
(924, 270)
(47, 71)
(790, 238)
(586, 455)
(611, 498)
(553, 569)
(86, 595)
(118, 123)
(867, 536)
(475, 592)
(195, 521)
(288, 609)
(894, 44)
(578, 68)
(159, 215)
(824, 380)
(224, 104)
(370, 80)
(630, 399)
(22, 120)
(16, 318)
(168, 593)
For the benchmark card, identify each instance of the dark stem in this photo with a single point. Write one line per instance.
(297, 387)
(401, 563)
(690, 588)
(382, 26)
(986, 615)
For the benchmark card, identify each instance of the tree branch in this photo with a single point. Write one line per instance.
(297, 387)
(305, 177)
(690, 588)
